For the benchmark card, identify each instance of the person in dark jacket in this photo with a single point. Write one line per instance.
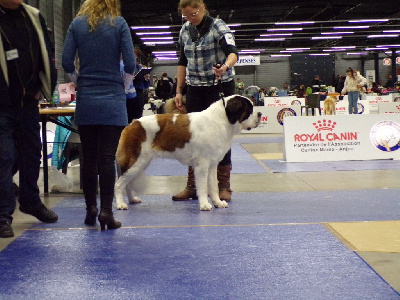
(163, 90)
(27, 70)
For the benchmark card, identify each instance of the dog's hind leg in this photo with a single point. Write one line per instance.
(213, 188)
(201, 174)
(128, 180)
(133, 187)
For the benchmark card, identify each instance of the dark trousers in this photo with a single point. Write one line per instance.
(134, 107)
(199, 98)
(99, 146)
(20, 149)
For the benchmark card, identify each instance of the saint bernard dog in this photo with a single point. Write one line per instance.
(198, 139)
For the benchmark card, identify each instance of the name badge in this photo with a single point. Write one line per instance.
(12, 54)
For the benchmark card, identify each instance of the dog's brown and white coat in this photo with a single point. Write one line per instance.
(198, 139)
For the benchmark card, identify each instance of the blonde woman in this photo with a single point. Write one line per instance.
(99, 35)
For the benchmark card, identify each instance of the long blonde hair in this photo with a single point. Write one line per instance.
(98, 10)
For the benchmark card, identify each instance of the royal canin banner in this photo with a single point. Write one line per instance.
(342, 137)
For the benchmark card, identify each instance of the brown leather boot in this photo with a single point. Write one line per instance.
(190, 191)
(224, 185)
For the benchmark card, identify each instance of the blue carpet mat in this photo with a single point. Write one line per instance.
(260, 262)
(277, 166)
(247, 208)
(242, 163)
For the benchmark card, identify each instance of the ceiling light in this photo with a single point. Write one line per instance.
(351, 27)
(154, 33)
(372, 49)
(255, 52)
(373, 36)
(158, 43)
(150, 27)
(319, 54)
(156, 38)
(285, 29)
(337, 32)
(385, 46)
(280, 55)
(344, 47)
(234, 25)
(391, 31)
(159, 52)
(295, 23)
(334, 50)
(326, 37)
(252, 50)
(166, 58)
(164, 54)
(276, 34)
(291, 51)
(297, 48)
(270, 40)
(357, 53)
(369, 21)
(390, 52)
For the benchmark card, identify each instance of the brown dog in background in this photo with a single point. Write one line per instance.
(330, 106)
(170, 107)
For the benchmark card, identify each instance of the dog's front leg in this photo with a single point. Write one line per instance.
(201, 174)
(213, 188)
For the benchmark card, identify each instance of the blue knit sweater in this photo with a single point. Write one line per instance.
(101, 93)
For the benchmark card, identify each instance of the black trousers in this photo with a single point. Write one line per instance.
(20, 149)
(199, 98)
(134, 107)
(99, 146)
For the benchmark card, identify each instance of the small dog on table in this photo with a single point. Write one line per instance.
(330, 106)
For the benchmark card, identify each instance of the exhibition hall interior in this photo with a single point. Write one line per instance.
(312, 191)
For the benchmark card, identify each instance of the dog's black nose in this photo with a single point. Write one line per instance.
(259, 114)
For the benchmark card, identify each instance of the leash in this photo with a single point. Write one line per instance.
(221, 89)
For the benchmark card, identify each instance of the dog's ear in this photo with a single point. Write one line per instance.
(238, 109)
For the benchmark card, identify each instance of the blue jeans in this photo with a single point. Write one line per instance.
(353, 101)
(20, 149)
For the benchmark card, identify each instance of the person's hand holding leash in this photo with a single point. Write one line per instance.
(178, 102)
(220, 70)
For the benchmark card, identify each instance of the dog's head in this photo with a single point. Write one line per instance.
(240, 109)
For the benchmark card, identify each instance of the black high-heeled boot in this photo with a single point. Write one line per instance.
(106, 218)
(91, 214)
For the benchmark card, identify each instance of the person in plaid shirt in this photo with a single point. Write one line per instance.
(207, 54)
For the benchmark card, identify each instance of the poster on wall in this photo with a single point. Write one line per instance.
(370, 76)
(342, 137)
(248, 60)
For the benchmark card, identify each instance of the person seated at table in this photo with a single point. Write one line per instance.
(375, 88)
(301, 92)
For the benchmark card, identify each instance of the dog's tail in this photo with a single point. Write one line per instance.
(130, 145)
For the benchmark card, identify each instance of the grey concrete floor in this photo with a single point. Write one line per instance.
(386, 265)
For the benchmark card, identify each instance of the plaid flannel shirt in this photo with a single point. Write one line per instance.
(203, 54)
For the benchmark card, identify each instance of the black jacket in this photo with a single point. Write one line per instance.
(47, 74)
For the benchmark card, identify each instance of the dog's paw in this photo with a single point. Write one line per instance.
(135, 200)
(122, 206)
(206, 206)
(221, 204)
